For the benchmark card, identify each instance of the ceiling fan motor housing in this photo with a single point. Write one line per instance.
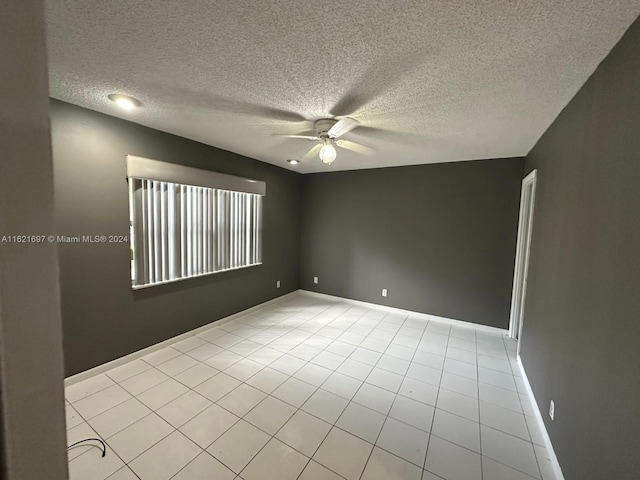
(324, 125)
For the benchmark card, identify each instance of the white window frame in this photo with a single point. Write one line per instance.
(187, 223)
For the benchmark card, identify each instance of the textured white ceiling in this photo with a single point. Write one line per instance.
(430, 81)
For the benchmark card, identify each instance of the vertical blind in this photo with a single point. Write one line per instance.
(180, 231)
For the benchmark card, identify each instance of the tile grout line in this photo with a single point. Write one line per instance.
(446, 349)
(290, 376)
(479, 412)
(125, 464)
(294, 413)
(337, 419)
(299, 327)
(205, 450)
(375, 443)
(334, 425)
(152, 410)
(514, 436)
(373, 328)
(535, 455)
(272, 436)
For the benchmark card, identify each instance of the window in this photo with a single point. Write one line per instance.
(181, 230)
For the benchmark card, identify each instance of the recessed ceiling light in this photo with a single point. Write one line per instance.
(293, 161)
(124, 101)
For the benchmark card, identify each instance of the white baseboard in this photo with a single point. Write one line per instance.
(460, 323)
(424, 316)
(547, 440)
(145, 351)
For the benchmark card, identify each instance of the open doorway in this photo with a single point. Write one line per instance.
(527, 200)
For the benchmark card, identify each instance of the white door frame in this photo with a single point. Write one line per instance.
(521, 270)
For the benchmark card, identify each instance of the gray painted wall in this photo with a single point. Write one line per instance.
(581, 333)
(32, 429)
(441, 238)
(103, 318)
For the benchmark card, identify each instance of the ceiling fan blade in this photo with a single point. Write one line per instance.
(306, 137)
(343, 126)
(390, 135)
(381, 77)
(313, 152)
(355, 147)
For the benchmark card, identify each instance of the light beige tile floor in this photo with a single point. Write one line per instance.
(311, 389)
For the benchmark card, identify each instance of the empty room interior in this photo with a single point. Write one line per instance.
(290, 240)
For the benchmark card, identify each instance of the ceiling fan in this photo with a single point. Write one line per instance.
(328, 133)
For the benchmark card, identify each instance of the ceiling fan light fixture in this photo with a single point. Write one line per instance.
(327, 152)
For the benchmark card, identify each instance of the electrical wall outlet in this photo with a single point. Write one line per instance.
(552, 409)
(315, 279)
(278, 284)
(384, 292)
